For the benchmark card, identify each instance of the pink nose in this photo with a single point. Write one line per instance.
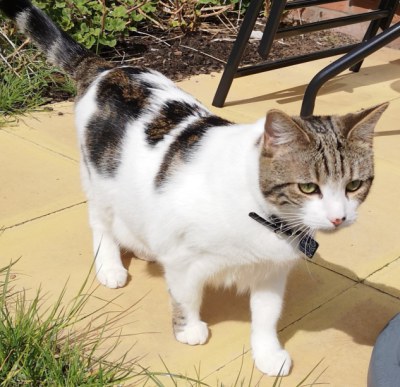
(337, 222)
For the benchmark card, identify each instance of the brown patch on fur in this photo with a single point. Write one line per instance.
(171, 115)
(120, 99)
(87, 70)
(118, 85)
(184, 145)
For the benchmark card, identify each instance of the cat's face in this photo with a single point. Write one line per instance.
(317, 171)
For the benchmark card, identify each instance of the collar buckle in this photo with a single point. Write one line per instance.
(307, 244)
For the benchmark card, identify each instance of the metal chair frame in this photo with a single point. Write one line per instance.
(380, 18)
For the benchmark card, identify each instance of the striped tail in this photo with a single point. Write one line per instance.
(59, 48)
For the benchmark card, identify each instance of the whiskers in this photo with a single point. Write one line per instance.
(293, 222)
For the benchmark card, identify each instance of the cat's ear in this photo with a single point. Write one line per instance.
(360, 126)
(281, 129)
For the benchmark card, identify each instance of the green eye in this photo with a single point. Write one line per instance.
(309, 188)
(353, 185)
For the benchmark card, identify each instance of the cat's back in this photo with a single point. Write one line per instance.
(152, 154)
(130, 113)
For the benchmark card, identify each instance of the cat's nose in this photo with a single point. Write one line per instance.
(338, 221)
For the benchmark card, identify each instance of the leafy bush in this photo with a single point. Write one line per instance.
(101, 23)
(97, 23)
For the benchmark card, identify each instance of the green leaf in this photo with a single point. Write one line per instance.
(119, 12)
(84, 27)
(148, 7)
(108, 42)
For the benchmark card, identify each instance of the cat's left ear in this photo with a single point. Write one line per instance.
(360, 126)
(281, 129)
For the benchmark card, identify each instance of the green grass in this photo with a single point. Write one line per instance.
(60, 345)
(65, 345)
(27, 81)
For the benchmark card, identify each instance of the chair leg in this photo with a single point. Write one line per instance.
(343, 63)
(237, 52)
(374, 27)
(271, 27)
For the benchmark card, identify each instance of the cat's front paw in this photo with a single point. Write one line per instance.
(193, 334)
(274, 364)
(112, 276)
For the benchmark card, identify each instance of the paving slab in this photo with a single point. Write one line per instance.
(52, 128)
(252, 96)
(57, 249)
(387, 279)
(34, 181)
(328, 315)
(372, 242)
(340, 335)
(386, 143)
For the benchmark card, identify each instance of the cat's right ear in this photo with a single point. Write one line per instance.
(360, 126)
(281, 129)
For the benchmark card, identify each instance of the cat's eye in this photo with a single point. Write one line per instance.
(309, 188)
(353, 185)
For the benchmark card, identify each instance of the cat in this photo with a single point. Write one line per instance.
(173, 182)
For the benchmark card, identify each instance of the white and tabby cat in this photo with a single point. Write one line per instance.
(174, 183)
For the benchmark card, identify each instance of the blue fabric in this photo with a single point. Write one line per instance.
(384, 367)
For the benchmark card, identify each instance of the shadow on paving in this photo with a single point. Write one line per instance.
(365, 314)
(348, 83)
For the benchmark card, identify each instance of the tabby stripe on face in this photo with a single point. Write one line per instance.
(331, 160)
(171, 115)
(284, 194)
(330, 147)
(185, 144)
(120, 99)
(362, 193)
(320, 125)
(276, 189)
(284, 199)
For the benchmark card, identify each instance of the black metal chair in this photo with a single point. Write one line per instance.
(380, 18)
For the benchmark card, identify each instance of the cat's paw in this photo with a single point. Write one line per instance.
(193, 334)
(274, 364)
(112, 276)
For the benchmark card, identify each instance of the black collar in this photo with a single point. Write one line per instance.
(307, 244)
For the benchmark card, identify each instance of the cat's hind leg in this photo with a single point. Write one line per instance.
(186, 289)
(266, 304)
(109, 269)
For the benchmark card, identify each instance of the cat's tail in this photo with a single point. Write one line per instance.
(59, 48)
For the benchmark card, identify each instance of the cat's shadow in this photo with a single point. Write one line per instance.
(221, 305)
(218, 304)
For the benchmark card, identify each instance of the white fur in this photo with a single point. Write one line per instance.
(196, 225)
(320, 212)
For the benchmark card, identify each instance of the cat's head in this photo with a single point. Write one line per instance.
(316, 171)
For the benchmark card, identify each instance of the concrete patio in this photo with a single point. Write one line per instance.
(336, 304)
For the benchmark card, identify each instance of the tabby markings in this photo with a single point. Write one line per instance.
(185, 144)
(171, 115)
(120, 98)
(179, 319)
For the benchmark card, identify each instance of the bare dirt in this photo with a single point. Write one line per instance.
(179, 56)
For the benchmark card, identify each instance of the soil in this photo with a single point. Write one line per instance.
(180, 56)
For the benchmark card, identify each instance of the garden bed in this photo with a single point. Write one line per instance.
(179, 56)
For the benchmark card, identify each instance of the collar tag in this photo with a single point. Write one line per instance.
(307, 245)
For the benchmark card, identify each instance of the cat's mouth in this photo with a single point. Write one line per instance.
(332, 228)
